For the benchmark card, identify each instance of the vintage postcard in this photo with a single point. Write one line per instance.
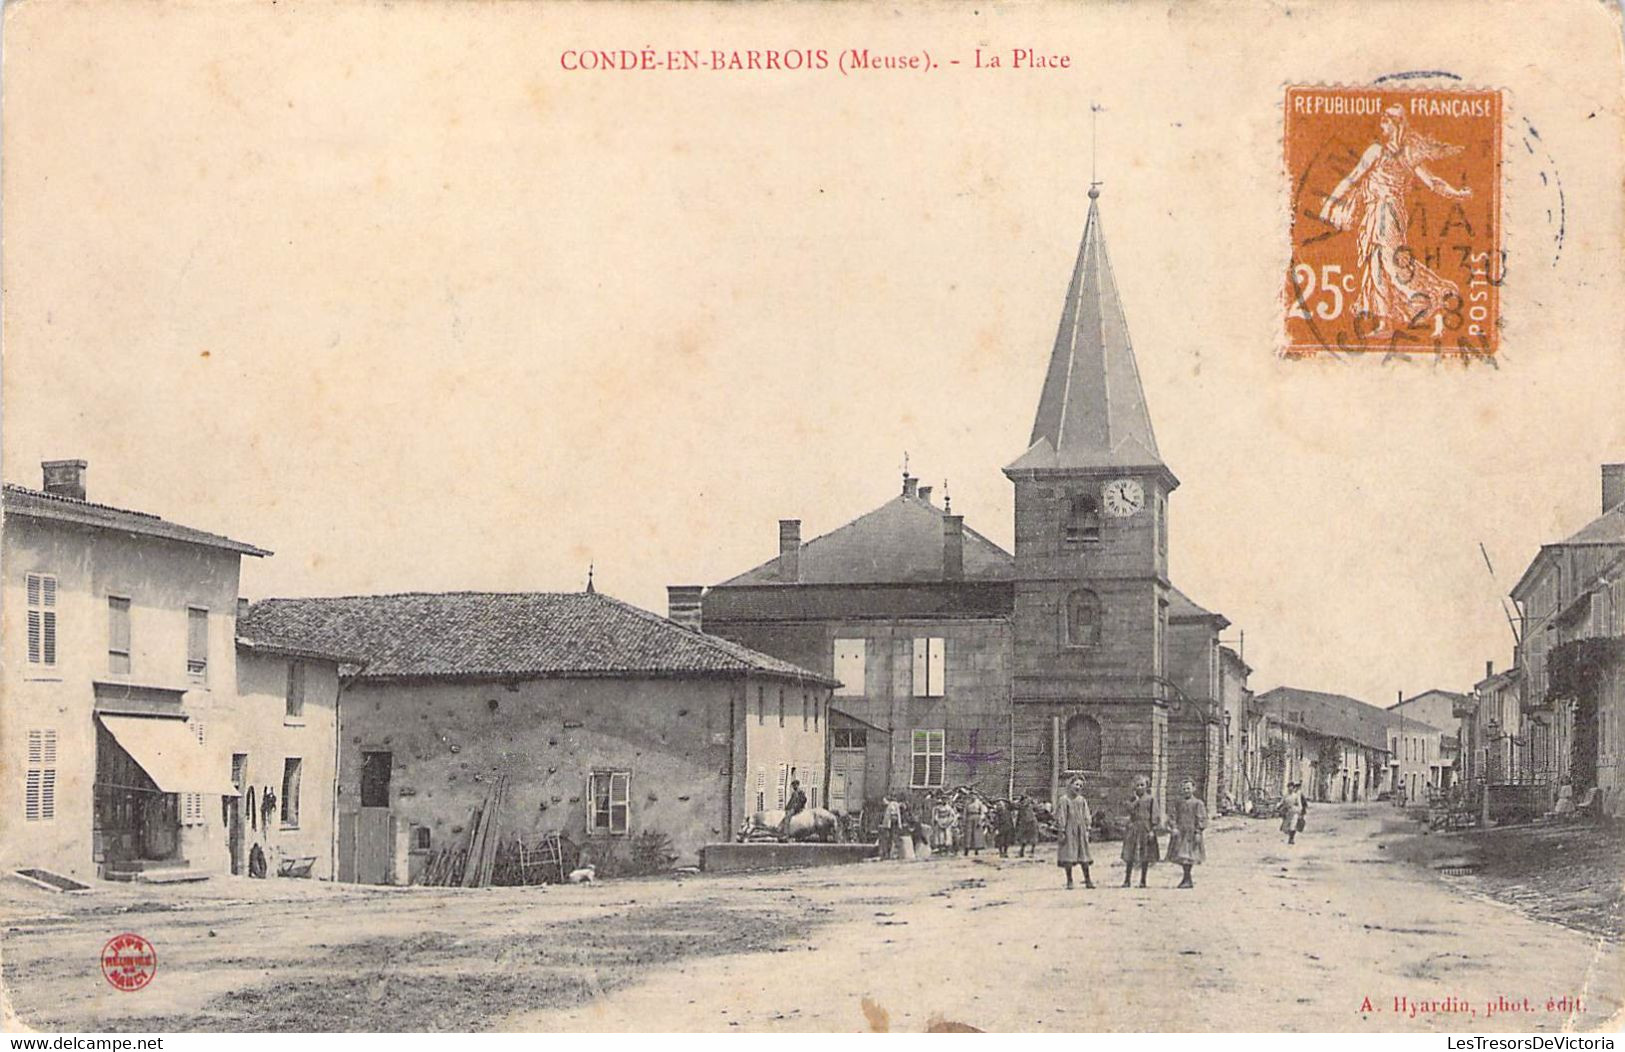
(796, 518)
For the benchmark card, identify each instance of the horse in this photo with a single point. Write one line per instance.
(813, 823)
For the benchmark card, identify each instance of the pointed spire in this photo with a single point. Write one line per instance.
(1092, 412)
(590, 589)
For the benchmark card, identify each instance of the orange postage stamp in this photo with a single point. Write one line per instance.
(1396, 221)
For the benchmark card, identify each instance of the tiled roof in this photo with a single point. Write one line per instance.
(498, 634)
(1181, 608)
(1334, 715)
(1608, 528)
(34, 504)
(898, 542)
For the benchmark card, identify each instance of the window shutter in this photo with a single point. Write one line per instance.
(36, 748)
(934, 771)
(48, 647)
(48, 591)
(34, 623)
(48, 748)
(35, 587)
(31, 798)
(935, 670)
(921, 666)
(48, 794)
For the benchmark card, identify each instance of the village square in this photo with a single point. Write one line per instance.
(895, 742)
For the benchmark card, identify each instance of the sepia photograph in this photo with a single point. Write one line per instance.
(617, 518)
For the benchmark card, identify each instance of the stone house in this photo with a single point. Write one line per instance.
(606, 720)
(1572, 651)
(134, 720)
(909, 609)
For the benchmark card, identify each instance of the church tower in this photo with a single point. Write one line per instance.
(1090, 620)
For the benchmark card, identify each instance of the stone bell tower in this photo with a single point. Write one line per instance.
(1090, 620)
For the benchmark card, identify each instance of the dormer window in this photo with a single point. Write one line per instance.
(1082, 524)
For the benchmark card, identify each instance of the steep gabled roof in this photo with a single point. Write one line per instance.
(1092, 411)
(463, 635)
(37, 504)
(1335, 715)
(898, 542)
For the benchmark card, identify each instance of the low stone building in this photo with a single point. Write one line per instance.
(604, 720)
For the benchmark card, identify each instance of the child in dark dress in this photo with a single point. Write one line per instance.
(1140, 839)
(1004, 827)
(1026, 826)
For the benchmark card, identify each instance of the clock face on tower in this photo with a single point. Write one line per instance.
(1122, 497)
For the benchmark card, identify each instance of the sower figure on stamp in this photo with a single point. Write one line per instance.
(1140, 839)
(1396, 290)
(1190, 818)
(1072, 832)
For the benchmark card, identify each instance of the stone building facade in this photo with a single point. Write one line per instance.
(1063, 657)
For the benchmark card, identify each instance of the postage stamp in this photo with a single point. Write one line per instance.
(1396, 221)
(129, 962)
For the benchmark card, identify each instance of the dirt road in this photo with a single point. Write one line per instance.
(1327, 934)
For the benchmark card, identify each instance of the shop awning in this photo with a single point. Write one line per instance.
(168, 750)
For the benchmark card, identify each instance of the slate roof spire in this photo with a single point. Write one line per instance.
(1092, 412)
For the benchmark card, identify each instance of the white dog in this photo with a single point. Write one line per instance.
(584, 875)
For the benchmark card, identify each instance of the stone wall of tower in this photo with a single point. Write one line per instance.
(1112, 680)
(1134, 738)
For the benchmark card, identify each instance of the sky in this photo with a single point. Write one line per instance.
(390, 292)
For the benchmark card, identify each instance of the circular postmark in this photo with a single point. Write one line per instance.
(129, 962)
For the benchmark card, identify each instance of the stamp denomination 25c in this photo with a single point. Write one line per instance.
(1396, 221)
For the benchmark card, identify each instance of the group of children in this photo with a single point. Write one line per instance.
(1186, 823)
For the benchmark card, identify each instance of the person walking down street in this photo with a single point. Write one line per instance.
(943, 817)
(1294, 812)
(891, 828)
(974, 833)
(1004, 826)
(1026, 826)
(1140, 838)
(1190, 818)
(1072, 829)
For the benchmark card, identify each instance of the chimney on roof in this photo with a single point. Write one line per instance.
(683, 604)
(790, 550)
(910, 485)
(1613, 486)
(925, 494)
(64, 478)
(953, 547)
(242, 608)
